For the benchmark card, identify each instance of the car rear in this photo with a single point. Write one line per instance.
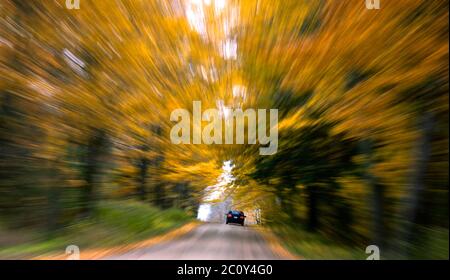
(235, 217)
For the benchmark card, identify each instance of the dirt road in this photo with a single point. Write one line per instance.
(211, 242)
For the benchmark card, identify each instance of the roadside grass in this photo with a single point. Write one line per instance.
(313, 246)
(433, 245)
(113, 223)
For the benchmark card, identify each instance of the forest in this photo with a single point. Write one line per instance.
(86, 97)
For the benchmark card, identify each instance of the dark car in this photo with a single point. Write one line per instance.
(235, 217)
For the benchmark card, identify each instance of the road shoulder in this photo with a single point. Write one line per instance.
(275, 244)
(100, 253)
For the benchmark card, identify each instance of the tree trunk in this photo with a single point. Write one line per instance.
(313, 218)
(142, 180)
(159, 185)
(95, 150)
(377, 194)
(160, 195)
(54, 207)
(378, 208)
(417, 185)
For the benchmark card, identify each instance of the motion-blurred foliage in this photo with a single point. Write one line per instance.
(86, 96)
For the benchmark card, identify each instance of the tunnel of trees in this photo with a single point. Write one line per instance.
(86, 96)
